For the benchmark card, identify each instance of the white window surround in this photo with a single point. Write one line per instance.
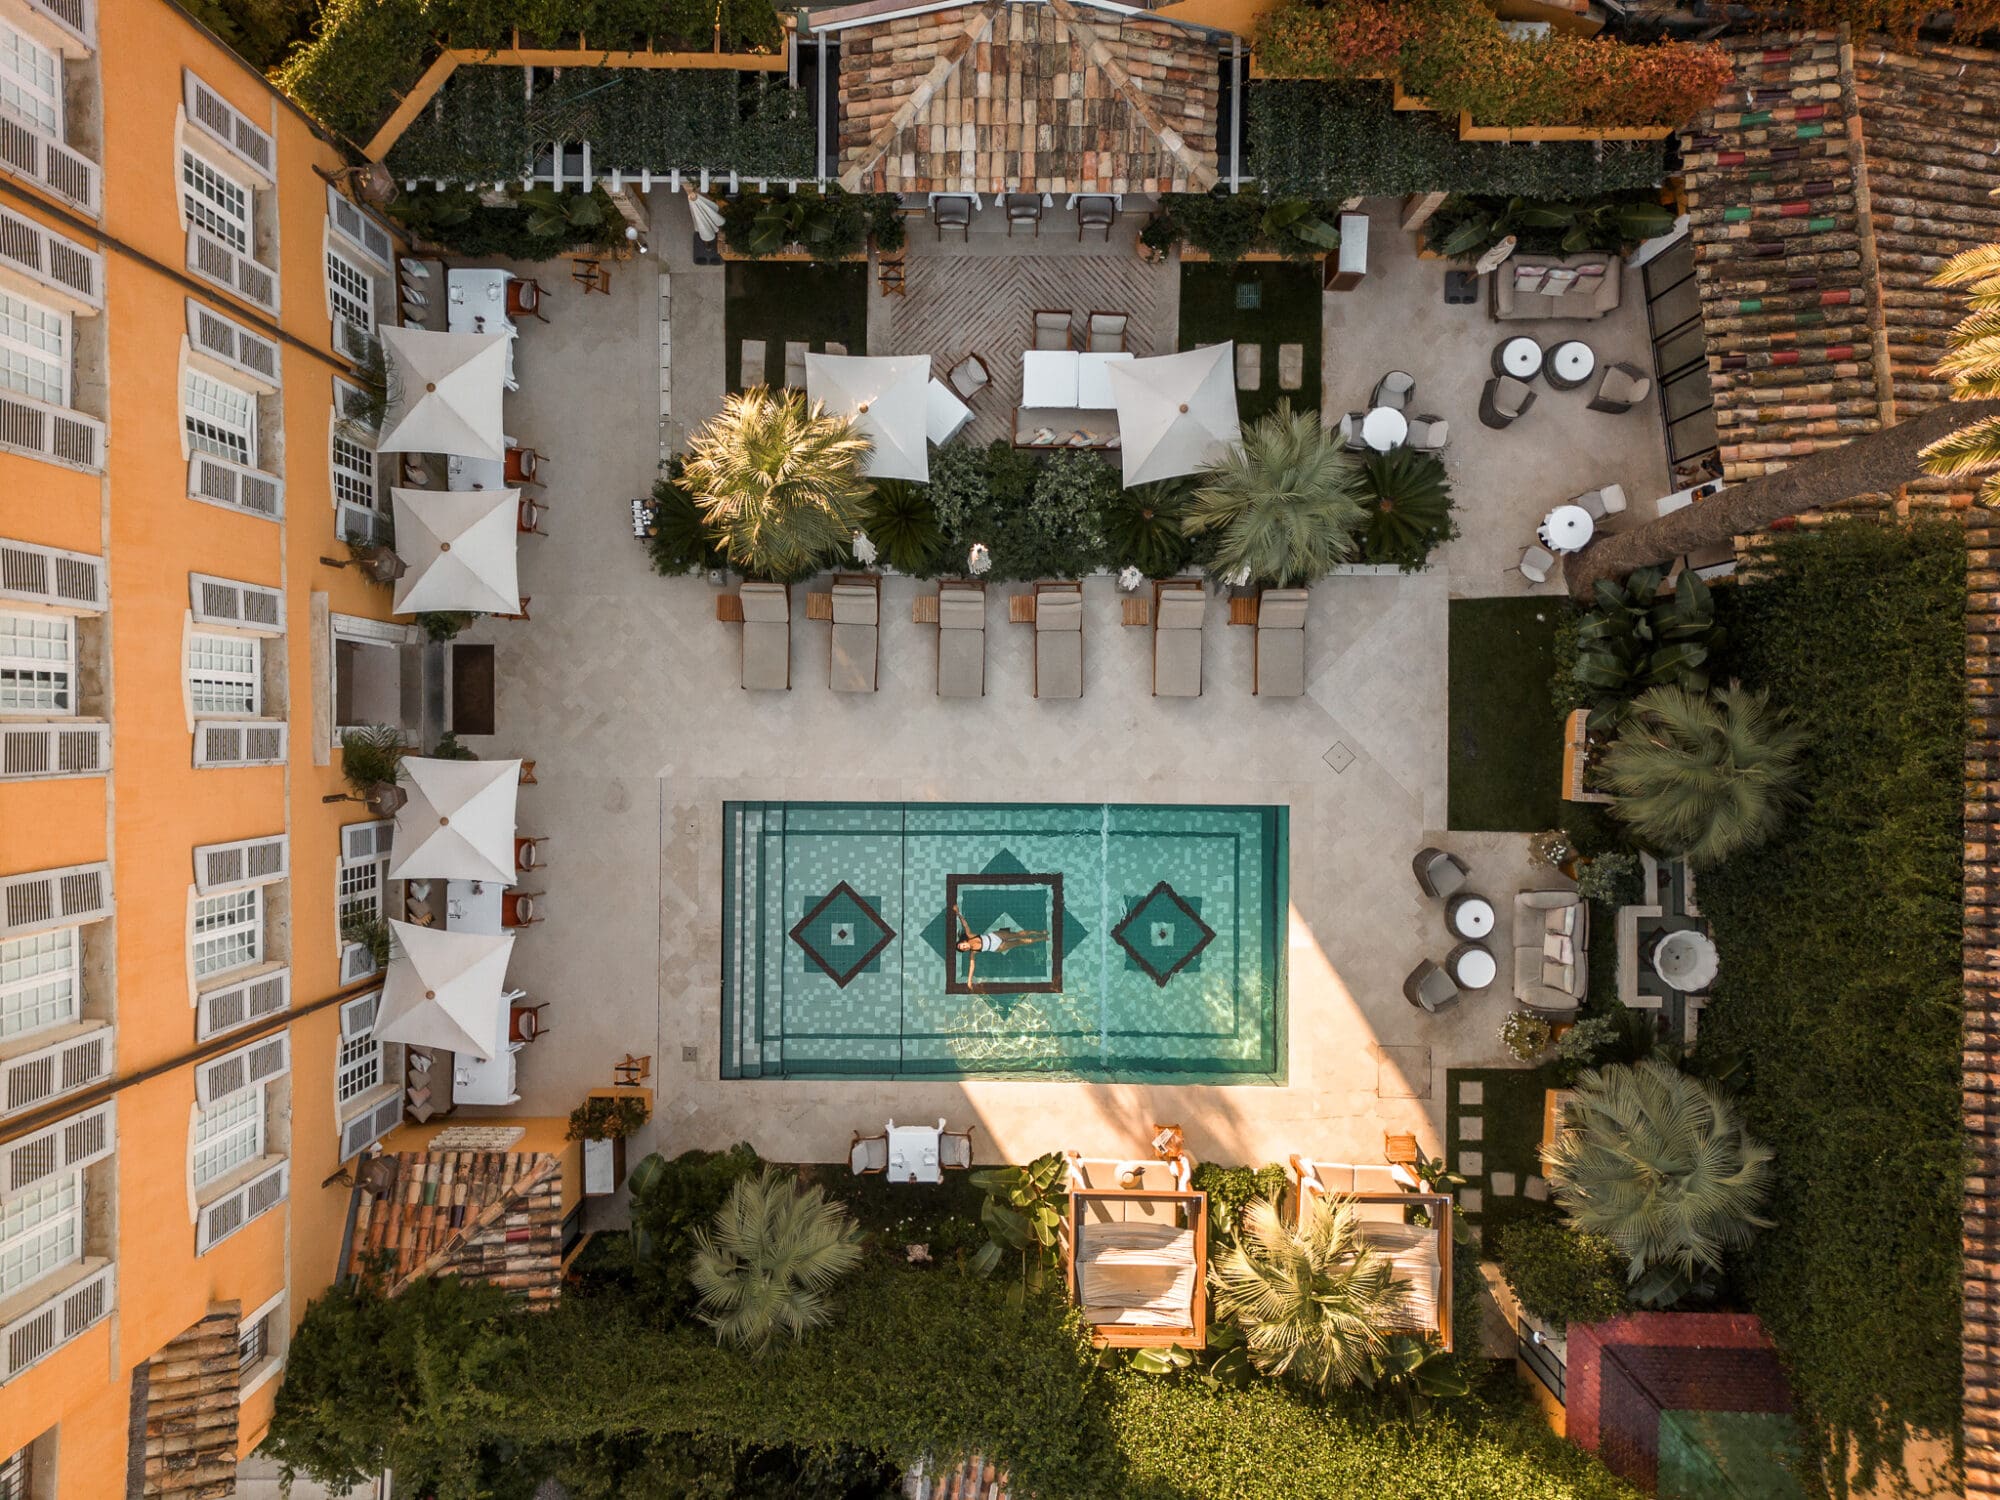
(227, 1135)
(359, 1068)
(217, 202)
(227, 932)
(30, 81)
(219, 418)
(224, 675)
(35, 347)
(41, 981)
(41, 1231)
(268, 1328)
(38, 673)
(350, 292)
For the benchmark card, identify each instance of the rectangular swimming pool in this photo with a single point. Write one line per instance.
(1161, 955)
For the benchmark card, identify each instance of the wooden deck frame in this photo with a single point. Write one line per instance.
(1194, 1204)
(1436, 1205)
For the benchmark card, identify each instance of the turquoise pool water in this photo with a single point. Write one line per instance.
(1165, 955)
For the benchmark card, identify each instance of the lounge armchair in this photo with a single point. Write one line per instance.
(767, 635)
(969, 377)
(1430, 988)
(1621, 388)
(1023, 208)
(1350, 431)
(1278, 670)
(1052, 329)
(1503, 400)
(1536, 561)
(961, 656)
(855, 647)
(1394, 390)
(1605, 500)
(1095, 212)
(1104, 333)
(868, 1153)
(1551, 951)
(1440, 875)
(1429, 434)
(1058, 640)
(952, 211)
(955, 1149)
(1178, 607)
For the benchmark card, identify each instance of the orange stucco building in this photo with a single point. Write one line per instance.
(185, 1054)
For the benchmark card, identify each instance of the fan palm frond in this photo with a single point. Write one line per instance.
(1285, 506)
(1980, 263)
(779, 482)
(765, 1266)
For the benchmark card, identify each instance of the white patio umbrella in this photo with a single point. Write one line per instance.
(459, 550)
(446, 989)
(707, 214)
(444, 393)
(458, 823)
(1176, 412)
(889, 398)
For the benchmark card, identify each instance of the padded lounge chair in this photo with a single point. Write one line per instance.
(1394, 390)
(855, 648)
(1536, 561)
(961, 658)
(1052, 329)
(1058, 640)
(1429, 434)
(1279, 668)
(1621, 388)
(969, 377)
(1430, 988)
(868, 1153)
(1178, 606)
(1504, 399)
(1605, 500)
(767, 635)
(1105, 333)
(751, 366)
(1439, 874)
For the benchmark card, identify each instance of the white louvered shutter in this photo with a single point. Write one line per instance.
(365, 841)
(43, 1329)
(239, 742)
(222, 867)
(246, 1067)
(368, 1127)
(242, 606)
(224, 1216)
(226, 340)
(67, 897)
(359, 230)
(31, 1078)
(66, 1146)
(49, 575)
(243, 1003)
(249, 143)
(51, 260)
(357, 1016)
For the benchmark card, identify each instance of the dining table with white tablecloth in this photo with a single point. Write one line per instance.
(476, 302)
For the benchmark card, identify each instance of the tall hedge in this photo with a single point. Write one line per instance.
(1339, 140)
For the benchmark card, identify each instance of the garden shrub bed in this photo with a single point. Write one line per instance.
(1840, 988)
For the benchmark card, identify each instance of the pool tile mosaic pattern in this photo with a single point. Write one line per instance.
(1158, 951)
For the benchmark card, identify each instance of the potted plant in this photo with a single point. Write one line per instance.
(372, 761)
(602, 1123)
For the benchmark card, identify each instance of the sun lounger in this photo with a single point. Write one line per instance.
(1058, 640)
(1178, 606)
(855, 648)
(1280, 667)
(767, 635)
(961, 659)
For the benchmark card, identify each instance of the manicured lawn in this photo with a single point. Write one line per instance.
(1505, 757)
(1840, 991)
(785, 302)
(1287, 311)
(1509, 1140)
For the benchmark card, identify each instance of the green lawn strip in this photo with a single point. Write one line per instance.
(784, 302)
(1289, 314)
(1510, 1115)
(1505, 751)
(1840, 985)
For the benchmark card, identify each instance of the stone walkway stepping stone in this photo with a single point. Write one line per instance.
(1536, 1189)
(1468, 1200)
(1249, 367)
(1471, 1093)
(1471, 1128)
(1502, 1184)
(1291, 366)
(1471, 1164)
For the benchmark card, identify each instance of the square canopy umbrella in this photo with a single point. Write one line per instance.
(446, 989)
(458, 823)
(444, 393)
(1176, 413)
(459, 550)
(888, 396)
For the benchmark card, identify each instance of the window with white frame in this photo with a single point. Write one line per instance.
(224, 672)
(228, 931)
(216, 202)
(39, 985)
(353, 471)
(30, 81)
(227, 1134)
(360, 1066)
(41, 1230)
(221, 418)
(16, 1476)
(37, 664)
(350, 292)
(34, 349)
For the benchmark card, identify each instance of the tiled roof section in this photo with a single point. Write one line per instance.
(185, 1414)
(976, 1478)
(493, 1216)
(1980, 1348)
(1823, 191)
(1000, 96)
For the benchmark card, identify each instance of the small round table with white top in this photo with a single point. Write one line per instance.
(1570, 364)
(1470, 916)
(1383, 428)
(1472, 966)
(1520, 357)
(1567, 528)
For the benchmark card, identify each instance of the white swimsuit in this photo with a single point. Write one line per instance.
(989, 942)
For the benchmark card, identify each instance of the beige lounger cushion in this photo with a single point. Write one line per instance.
(1059, 646)
(1414, 1251)
(1281, 643)
(1177, 643)
(767, 635)
(856, 610)
(1136, 1275)
(961, 643)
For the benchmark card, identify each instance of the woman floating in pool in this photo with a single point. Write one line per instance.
(1005, 941)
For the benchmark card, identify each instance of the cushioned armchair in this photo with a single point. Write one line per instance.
(1621, 388)
(1504, 399)
(1439, 874)
(1551, 951)
(1429, 988)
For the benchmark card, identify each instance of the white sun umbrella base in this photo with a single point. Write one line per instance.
(446, 989)
(444, 393)
(460, 549)
(1176, 413)
(888, 396)
(458, 823)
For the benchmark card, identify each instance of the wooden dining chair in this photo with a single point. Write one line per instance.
(528, 516)
(524, 298)
(519, 908)
(528, 852)
(523, 466)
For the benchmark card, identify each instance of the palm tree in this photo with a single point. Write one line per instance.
(1702, 776)
(778, 482)
(1657, 1162)
(1284, 507)
(1408, 500)
(1974, 368)
(765, 1266)
(1315, 1303)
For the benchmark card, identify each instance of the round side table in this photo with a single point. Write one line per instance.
(1519, 356)
(1470, 915)
(1570, 364)
(1472, 966)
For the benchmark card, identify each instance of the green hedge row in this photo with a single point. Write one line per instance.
(486, 130)
(1340, 140)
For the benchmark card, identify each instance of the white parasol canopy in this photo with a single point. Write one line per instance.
(460, 550)
(444, 393)
(446, 989)
(888, 396)
(705, 212)
(1176, 413)
(458, 823)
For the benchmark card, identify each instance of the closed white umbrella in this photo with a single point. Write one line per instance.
(458, 823)
(459, 550)
(888, 396)
(446, 989)
(1176, 413)
(444, 393)
(706, 213)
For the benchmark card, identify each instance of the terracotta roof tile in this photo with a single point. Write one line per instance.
(494, 1216)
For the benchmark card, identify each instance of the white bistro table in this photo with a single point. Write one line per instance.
(476, 302)
(944, 413)
(1049, 378)
(1471, 916)
(1570, 364)
(473, 906)
(913, 1153)
(1383, 428)
(1567, 528)
(462, 473)
(1521, 357)
(1474, 967)
(1093, 380)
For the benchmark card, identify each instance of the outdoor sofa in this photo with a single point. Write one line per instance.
(1551, 951)
(1524, 290)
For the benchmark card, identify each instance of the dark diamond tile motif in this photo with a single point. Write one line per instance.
(1162, 934)
(843, 934)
